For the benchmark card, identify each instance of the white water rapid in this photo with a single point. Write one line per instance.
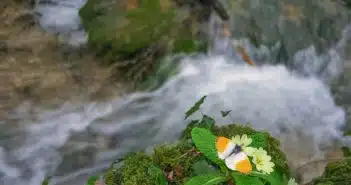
(297, 109)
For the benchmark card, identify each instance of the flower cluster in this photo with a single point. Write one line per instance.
(259, 156)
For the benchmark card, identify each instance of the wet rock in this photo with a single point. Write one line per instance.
(296, 24)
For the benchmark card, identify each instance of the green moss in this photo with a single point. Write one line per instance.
(114, 32)
(181, 159)
(117, 32)
(346, 151)
(165, 68)
(112, 177)
(184, 45)
(336, 173)
(139, 38)
(135, 169)
(178, 158)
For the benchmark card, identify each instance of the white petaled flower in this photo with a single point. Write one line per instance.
(292, 182)
(262, 161)
(244, 143)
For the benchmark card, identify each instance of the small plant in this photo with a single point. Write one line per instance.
(237, 160)
(240, 160)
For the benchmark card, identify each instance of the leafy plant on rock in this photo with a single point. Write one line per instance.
(205, 141)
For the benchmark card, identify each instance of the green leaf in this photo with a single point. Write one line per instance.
(207, 122)
(225, 113)
(209, 179)
(157, 175)
(241, 179)
(258, 140)
(273, 178)
(202, 167)
(205, 142)
(46, 181)
(92, 180)
(195, 107)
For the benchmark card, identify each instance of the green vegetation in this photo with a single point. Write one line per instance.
(194, 159)
(113, 32)
(137, 40)
(336, 173)
(185, 163)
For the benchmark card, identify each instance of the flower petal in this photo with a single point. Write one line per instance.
(262, 161)
(236, 140)
(249, 151)
(246, 141)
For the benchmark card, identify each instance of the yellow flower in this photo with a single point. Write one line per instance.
(262, 161)
(244, 143)
(292, 182)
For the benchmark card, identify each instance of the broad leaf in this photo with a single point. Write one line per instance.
(207, 122)
(258, 140)
(92, 180)
(209, 179)
(241, 179)
(273, 178)
(205, 142)
(225, 113)
(195, 107)
(157, 175)
(46, 181)
(202, 168)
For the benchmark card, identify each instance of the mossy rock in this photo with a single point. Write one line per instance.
(179, 160)
(173, 158)
(116, 31)
(272, 145)
(336, 173)
(135, 36)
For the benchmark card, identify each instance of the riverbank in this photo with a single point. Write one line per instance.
(37, 66)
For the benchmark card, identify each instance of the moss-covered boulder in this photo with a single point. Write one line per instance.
(336, 173)
(272, 144)
(122, 28)
(135, 35)
(181, 160)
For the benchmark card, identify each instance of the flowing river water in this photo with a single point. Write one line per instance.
(75, 141)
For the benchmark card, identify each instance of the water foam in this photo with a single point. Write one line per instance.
(61, 17)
